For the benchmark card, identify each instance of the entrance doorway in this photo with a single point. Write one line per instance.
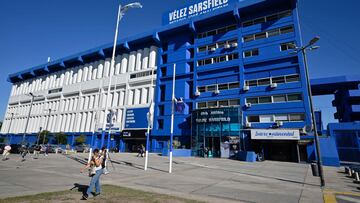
(213, 145)
(285, 151)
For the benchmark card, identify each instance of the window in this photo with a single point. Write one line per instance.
(211, 88)
(252, 100)
(223, 86)
(222, 59)
(287, 46)
(294, 97)
(268, 18)
(202, 105)
(281, 117)
(297, 117)
(253, 119)
(212, 104)
(202, 89)
(266, 118)
(279, 98)
(278, 80)
(292, 78)
(264, 82)
(212, 46)
(223, 103)
(287, 29)
(217, 31)
(208, 61)
(221, 45)
(250, 53)
(252, 83)
(161, 124)
(260, 35)
(267, 34)
(273, 33)
(264, 100)
(202, 49)
(234, 85)
(234, 102)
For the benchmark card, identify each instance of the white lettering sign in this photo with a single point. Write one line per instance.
(275, 134)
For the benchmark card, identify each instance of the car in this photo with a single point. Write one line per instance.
(81, 148)
(15, 148)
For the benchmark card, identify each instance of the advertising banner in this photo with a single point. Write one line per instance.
(281, 134)
(136, 118)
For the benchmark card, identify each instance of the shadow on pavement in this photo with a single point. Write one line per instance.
(80, 188)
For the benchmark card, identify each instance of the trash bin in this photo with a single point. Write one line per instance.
(315, 169)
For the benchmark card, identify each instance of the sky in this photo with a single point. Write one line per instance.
(33, 30)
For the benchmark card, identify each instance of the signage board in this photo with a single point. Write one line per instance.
(136, 118)
(217, 115)
(193, 10)
(281, 134)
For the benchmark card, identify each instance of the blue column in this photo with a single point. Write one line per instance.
(96, 141)
(72, 140)
(121, 146)
(102, 138)
(108, 140)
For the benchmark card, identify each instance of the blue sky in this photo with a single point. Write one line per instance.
(33, 30)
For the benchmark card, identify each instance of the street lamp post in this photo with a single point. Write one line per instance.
(121, 13)
(310, 46)
(28, 117)
(11, 119)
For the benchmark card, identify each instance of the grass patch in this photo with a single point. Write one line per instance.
(109, 194)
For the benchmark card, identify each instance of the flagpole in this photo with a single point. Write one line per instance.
(151, 111)
(172, 120)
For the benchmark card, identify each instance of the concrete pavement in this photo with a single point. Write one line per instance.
(211, 180)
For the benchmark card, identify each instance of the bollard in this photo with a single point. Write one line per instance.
(350, 173)
(357, 179)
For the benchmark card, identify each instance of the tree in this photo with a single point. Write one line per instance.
(44, 137)
(80, 140)
(60, 138)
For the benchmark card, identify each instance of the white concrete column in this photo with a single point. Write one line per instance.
(124, 63)
(86, 71)
(80, 74)
(107, 68)
(88, 122)
(132, 61)
(153, 56)
(100, 71)
(145, 58)
(122, 98)
(138, 60)
(137, 96)
(90, 71)
(144, 95)
(118, 65)
(130, 97)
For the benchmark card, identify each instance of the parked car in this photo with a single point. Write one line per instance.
(15, 148)
(81, 148)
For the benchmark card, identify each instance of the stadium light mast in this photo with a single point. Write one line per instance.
(121, 12)
(28, 117)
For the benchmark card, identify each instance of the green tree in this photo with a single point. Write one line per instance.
(44, 137)
(80, 140)
(60, 138)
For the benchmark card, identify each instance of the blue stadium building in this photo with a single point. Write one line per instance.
(243, 89)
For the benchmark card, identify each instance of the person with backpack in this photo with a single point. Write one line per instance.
(95, 167)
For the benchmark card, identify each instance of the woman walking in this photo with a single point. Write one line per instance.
(96, 169)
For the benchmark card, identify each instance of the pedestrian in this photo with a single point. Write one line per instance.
(95, 172)
(140, 151)
(6, 152)
(37, 151)
(47, 149)
(23, 152)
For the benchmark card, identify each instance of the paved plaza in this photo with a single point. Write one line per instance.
(210, 180)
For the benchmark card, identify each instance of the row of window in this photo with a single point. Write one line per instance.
(295, 117)
(283, 47)
(218, 45)
(217, 31)
(268, 18)
(275, 99)
(268, 34)
(142, 74)
(218, 59)
(220, 103)
(271, 80)
(222, 86)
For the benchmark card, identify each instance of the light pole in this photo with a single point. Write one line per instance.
(11, 119)
(47, 124)
(150, 120)
(310, 46)
(121, 13)
(28, 117)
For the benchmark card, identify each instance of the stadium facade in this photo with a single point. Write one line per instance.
(242, 87)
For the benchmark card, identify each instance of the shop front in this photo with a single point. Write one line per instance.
(134, 132)
(276, 144)
(216, 132)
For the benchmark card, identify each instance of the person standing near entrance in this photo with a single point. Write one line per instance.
(6, 152)
(96, 170)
